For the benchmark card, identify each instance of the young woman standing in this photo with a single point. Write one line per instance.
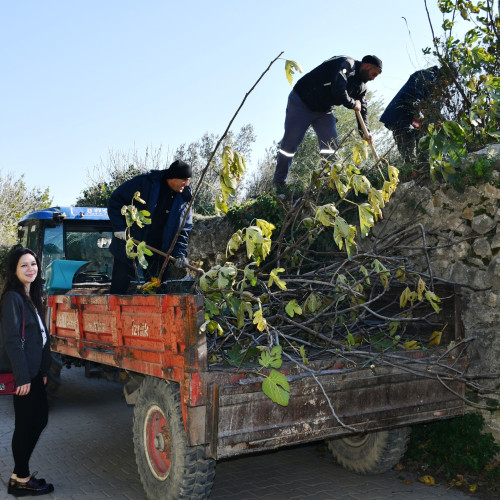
(27, 354)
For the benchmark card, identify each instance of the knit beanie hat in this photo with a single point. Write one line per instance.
(179, 170)
(372, 60)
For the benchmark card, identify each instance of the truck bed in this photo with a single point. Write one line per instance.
(157, 335)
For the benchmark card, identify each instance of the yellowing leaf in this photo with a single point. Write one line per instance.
(436, 338)
(427, 480)
(411, 345)
(290, 67)
(420, 288)
(434, 300)
(327, 214)
(259, 320)
(366, 219)
(274, 278)
(137, 197)
(265, 227)
(234, 243)
(151, 286)
(359, 152)
(221, 207)
(403, 299)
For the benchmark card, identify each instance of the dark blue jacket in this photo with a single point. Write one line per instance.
(402, 110)
(25, 362)
(148, 185)
(335, 82)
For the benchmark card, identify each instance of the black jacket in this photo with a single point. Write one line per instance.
(35, 357)
(403, 108)
(334, 82)
(148, 185)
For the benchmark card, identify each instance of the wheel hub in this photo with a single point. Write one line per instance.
(157, 441)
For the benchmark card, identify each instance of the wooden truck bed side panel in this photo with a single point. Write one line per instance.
(248, 421)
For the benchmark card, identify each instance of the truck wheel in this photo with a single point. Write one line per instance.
(370, 453)
(54, 377)
(168, 467)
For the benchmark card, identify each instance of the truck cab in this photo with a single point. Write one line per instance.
(79, 235)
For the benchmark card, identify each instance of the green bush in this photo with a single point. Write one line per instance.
(263, 207)
(457, 445)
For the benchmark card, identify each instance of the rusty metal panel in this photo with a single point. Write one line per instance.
(153, 335)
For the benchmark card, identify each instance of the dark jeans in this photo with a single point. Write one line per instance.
(297, 120)
(31, 416)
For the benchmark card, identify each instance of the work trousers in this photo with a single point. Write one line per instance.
(123, 273)
(298, 118)
(407, 142)
(31, 416)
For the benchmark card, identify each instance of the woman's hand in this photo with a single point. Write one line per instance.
(23, 390)
(44, 380)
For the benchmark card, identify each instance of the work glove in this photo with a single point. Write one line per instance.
(180, 262)
(120, 235)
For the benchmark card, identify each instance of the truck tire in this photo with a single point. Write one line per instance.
(54, 377)
(370, 453)
(168, 467)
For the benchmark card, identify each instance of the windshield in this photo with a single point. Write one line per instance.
(90, 244)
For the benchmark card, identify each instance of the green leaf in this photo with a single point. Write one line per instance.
(211, 327)
(249, 274)
(302, 351)
(271, 359)
(276, 387)
(313, 303)
(293, 308)
(211, 307)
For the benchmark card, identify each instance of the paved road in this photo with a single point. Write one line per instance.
(87, 452)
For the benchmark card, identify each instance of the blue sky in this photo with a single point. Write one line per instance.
(82, 78)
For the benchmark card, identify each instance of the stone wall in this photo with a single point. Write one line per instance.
(455, 236)
(451, 235)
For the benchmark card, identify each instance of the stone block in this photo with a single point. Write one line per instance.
(482, 224)
(495, 242)
(467, 213)
(492, 276)
(482, 248)
(492, 192)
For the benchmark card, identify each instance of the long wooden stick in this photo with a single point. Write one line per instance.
(366, 134)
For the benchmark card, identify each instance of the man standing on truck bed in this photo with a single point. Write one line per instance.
(338, 81)
(167, 195)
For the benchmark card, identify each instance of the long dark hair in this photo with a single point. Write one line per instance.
(12, 282)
